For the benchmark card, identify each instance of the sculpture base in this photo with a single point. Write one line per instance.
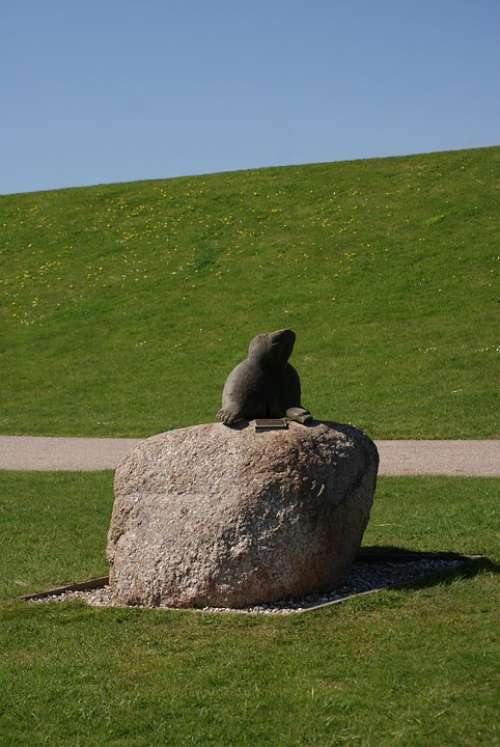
(212, 516)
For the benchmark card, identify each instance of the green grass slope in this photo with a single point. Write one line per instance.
(123, 307)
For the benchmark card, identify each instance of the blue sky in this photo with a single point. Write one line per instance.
(114, 90)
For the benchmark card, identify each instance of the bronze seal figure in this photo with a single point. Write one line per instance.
(265, 384)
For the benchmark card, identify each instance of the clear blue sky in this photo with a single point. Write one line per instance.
(114, 90)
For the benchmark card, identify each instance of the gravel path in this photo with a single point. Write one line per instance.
(467, 458)
(55, 453)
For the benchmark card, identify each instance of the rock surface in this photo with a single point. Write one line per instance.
(217, 516)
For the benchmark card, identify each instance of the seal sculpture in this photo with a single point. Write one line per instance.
(265, 384)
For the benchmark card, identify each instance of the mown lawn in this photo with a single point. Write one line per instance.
(123, 307)
(417, 666)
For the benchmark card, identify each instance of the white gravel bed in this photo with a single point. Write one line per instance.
(363, 578)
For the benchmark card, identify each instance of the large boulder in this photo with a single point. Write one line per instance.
(217, 516)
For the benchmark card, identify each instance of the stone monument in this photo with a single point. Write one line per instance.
(218, 516)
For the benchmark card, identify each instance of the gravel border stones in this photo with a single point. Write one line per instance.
(365, 577)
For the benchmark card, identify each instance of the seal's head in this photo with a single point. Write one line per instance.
(272, 349)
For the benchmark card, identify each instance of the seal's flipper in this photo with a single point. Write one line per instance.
(229, 417)
(299, 414)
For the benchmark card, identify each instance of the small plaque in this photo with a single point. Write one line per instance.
(270, 424)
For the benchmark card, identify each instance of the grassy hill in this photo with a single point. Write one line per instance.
(123, 307)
